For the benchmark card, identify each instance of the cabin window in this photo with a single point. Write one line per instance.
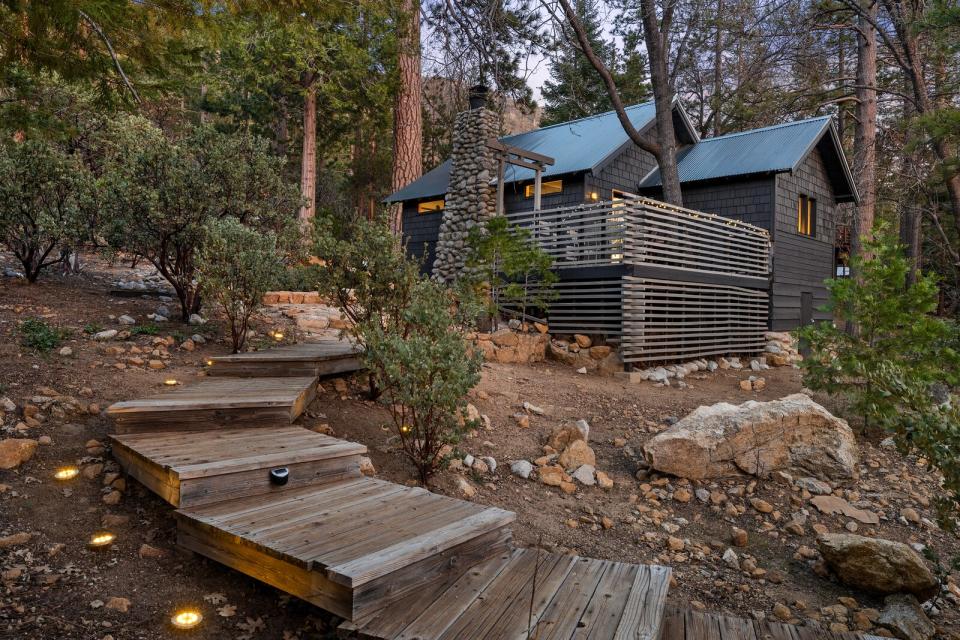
(807, 216)
(430, 206)
(546, 188)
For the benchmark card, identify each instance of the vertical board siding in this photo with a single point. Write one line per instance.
(801, 263)
(420, 232)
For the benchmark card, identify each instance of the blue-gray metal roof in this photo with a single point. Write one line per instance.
(575, 146)
(773, 149)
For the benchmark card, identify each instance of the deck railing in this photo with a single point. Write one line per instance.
(639, 231)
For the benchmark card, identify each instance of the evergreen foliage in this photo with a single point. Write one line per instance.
(236, 266)
(422, 362)
(514, 270)
(897, 368)
(45, 202)
(161, 197)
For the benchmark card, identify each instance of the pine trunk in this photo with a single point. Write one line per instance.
(308, 167)
(865, 132)
(407, 118)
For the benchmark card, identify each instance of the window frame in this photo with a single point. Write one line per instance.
(421, 211)
(806, 216)
(528, 189)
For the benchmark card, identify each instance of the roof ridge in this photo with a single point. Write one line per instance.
(782, 125)
(583, 119)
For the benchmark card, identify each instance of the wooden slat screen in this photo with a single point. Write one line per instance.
(666, 320)
(587, 307)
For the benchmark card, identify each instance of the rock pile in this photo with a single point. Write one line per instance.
(507, 346)
(291, 297)
(567, 461)
(781, 349)
(757, 438)
(582, 353)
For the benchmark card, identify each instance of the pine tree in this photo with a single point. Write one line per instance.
(574, 89)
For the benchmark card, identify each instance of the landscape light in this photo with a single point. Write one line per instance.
(209, 363)
(186, 619)
(101, 540)
(170, 382)
(66, 473)
(278, 335)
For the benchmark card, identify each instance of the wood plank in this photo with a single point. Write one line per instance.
(364, 569)
(562, 616)
(643, 610)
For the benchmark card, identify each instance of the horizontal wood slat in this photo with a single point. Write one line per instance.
(672, 320)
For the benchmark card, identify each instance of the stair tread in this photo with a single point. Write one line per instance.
(573, 597)
(223, 451)
(355, 530)
(302, 352)
(220, 393)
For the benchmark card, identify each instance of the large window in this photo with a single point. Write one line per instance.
(546, 188)
(430, 206)
(807, 216)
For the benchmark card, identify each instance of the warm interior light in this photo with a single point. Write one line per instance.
(170, 382)
(101, 539)
(66, 473)
(594, 195)
(405, 428)
(186, 619)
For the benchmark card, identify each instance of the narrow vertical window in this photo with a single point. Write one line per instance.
(806, 216)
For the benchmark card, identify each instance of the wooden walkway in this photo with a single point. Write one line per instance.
(685, 624)
(309, 359)
(289, 507)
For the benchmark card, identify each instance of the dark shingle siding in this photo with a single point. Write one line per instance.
(420, 231)
(750, 201)
(802, 263)
(622, 173)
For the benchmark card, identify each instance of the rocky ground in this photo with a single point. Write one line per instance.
(742, 545)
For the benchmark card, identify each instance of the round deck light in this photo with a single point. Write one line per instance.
(278, 335)
(209, 363)
(101, 540)
(171, 382)
(66, 473)
(186, 619)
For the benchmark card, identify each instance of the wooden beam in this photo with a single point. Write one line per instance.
(496, 145)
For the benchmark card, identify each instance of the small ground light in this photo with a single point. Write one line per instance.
(209, 363)
(278, 335)
(186, 619)
(101, 540)
(66, 473)
(170, 382)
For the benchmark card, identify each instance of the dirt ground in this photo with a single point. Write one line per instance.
(54, 587)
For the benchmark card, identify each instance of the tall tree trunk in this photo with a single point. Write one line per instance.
(717, 97)
(308, 166)
(656, 32)
(865, 131)
(407, 117)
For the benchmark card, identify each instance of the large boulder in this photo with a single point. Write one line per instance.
(877, 565)
(757, 438)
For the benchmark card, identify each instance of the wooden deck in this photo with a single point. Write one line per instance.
(686, 624)
(358, 543)
(217, 403)
(307, 359)
(223, 464)
(550, 596)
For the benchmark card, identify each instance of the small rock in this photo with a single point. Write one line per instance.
(761, 505)
(125, 319)
(577, 454)
(877, 565)
(585, 475)
(604, 481)
(731, 558)
(66, 352)
(118, 604)
(147, 551)
(904, 616)
(366, 466)
(465, 488)
(16, 451)
(521, 468)
(738, 537)
(674, 544)
(782, 611)
(196, 319)
(15, 539)
(112, 497)
(682, 495)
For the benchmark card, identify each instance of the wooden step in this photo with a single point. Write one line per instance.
(686, 624)
(558, 596)
(351, 547)
(217, 403)
(223, 464)
(305, 359)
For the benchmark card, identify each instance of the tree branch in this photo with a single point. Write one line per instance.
(113, 54)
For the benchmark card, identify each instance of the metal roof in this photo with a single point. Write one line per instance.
(578, 145)
(775, 149)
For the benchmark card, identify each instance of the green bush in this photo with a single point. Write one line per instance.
(144, 330)
(516, 271)
(898, 363)
(160, 198)
(38, 335)
(236, 266)
(45, 197)
(422, 363)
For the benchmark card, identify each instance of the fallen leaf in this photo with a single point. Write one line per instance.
(215, 598)
(227, 611)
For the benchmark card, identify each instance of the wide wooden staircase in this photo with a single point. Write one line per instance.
(289, 507)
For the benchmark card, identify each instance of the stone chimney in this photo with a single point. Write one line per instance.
(470, 199)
